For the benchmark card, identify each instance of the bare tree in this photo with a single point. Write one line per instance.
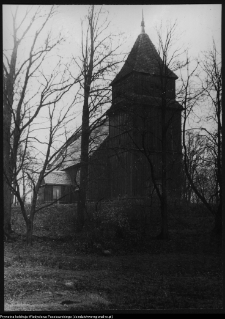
(209, 93)
(31, 87)
(200, 163)
(98, 62)
(36, 157)
(167, 62)
(213, 89)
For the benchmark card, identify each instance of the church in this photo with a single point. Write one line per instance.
(128, 155)
(126, 162)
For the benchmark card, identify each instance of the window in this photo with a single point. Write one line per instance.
(56, 192)
(78, 177)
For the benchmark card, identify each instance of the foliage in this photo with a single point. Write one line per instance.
(120, 220)
(54, 221)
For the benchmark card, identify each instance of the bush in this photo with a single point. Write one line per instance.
(53, 221)
(119, 220)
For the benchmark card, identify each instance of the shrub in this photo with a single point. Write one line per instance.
(52, 221)
(122, 219)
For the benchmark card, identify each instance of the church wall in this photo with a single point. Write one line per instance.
(99, 174)
(121, 178)
(174, 130)
(131, 169)
(122, 87)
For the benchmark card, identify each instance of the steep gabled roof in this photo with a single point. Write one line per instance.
(73, 147)
(58, 178)
(142, 58)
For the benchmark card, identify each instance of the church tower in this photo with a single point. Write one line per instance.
(135, 123)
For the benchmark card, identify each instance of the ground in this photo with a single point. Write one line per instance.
(61, 274)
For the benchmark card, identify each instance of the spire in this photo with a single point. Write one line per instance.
(143, 58)
(142, 24)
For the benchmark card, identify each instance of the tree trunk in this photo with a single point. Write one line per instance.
(8, 94)
(30, 220)
(164, 210)
(81, 209)
(29, 232)
(7, 209)
(84, 167)
(217, 230)
(7, 173)
(164, 213)
(88, 70)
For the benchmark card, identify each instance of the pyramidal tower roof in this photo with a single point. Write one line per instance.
(142, 58)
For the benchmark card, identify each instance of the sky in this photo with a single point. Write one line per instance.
(197, 23)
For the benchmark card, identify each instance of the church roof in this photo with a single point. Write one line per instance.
(142, 58)
(73, 146)
(58, 178)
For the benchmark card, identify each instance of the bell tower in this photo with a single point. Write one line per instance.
(135, 121)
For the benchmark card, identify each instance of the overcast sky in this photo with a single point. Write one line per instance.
(197, 23)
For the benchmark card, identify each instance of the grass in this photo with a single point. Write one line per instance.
(61, 274)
